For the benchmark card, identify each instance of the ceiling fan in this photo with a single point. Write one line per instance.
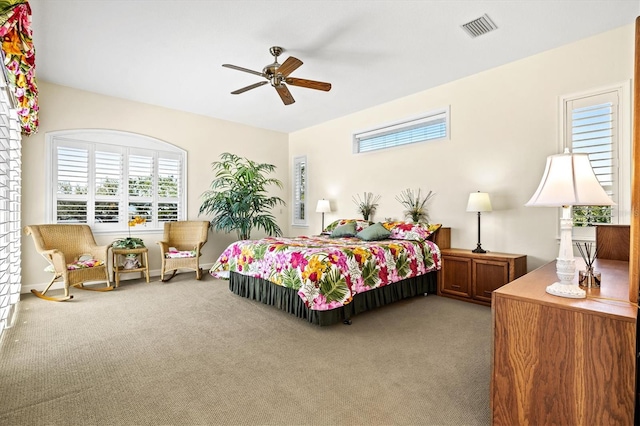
(278, 74)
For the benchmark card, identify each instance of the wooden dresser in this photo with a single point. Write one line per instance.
(564, 361)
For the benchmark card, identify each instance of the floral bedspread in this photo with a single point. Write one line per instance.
(328, 272)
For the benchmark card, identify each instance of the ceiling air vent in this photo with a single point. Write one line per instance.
(479, 26)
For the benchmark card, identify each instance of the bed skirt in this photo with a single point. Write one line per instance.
(287, 299)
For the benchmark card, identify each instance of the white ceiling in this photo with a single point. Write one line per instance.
(169, 52)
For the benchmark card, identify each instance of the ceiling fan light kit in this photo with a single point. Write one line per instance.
(278, 74)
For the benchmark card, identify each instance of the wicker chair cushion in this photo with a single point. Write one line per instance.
(83, 264)
(79, 264)
(175, 254)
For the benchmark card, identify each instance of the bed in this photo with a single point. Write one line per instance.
(352, 267)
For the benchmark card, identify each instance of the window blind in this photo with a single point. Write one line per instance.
(106, 185)
(10, 206)
(169, 185)
(72, 182)
(300, 191)
(432, 126)
(594, 131)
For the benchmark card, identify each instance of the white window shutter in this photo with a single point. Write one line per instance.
(169, 186)
(72, 184)
(428, 127)
(10, 209)
(300, 202)
(593, 128)
(105, 178)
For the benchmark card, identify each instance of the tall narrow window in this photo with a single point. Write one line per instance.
(592, 126)
(300, 207)
(104, 178)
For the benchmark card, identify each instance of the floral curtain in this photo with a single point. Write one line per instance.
(19, 60)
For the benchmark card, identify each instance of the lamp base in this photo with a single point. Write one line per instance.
(566, 271)
(478, 250)
(572, 291)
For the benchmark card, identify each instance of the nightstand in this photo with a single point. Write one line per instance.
(472, 277)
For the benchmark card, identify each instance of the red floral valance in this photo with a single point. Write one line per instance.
(20, 60)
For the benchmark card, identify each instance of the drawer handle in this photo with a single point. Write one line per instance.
(487, 292)
(455, 286)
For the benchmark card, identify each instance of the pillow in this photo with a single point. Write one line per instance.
(374, 232)
(409, 231)
(360, 225)
(346, 230)
(433, 227)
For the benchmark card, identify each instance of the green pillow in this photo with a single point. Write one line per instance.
(346, 230)
(374, 232)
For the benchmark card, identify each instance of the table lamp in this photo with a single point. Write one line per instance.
(479, 202)
(323, 207)
(568, 180)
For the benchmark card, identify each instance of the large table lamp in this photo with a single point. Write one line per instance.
(479, 202)
(323, 207)
(568, 180)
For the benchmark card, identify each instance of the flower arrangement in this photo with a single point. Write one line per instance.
(137, 220)
(131, 242)
(414, 205)
(367, 206)
(19, 60)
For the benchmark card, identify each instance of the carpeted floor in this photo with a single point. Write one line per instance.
(192, 353)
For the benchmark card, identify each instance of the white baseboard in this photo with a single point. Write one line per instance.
(153, 273)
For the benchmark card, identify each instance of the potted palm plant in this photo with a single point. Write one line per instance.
(415, 205)
(238, 199)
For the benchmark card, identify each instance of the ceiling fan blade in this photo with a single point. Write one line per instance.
(235, 67)
(289, 66)
(285, 95)
(253, 86)
(309, 84)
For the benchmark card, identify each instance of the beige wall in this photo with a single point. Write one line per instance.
(202, 137)
(504, 123)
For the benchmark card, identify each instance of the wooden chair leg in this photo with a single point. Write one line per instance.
(81, 286)
(42, 294)
(172, 275)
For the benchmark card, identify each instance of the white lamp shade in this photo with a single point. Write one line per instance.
(479, 202)
(323, 206)
(569, 180)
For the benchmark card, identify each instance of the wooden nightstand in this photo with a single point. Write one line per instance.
(474, 276)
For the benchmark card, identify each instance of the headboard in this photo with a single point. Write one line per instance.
(442, 238)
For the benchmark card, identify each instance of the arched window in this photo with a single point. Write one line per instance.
(105, 178)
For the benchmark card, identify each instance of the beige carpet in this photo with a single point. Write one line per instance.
(192, 353)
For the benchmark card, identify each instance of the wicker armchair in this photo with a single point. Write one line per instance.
(74, 256)
(180, 246)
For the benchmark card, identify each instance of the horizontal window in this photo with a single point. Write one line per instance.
(429, 127)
